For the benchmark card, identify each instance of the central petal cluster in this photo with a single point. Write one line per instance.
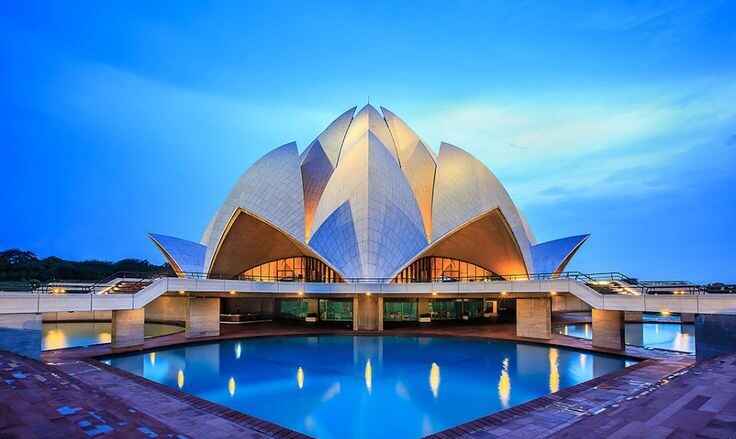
(367, 221)
(367, 198)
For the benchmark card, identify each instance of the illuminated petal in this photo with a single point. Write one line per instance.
(183, 256)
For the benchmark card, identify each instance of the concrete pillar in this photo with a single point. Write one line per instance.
(203, 317)
(558, 303)
(715, 334)
(422, 307)
(687, 318)
(369, 315)
(128, 327)
(380, 314)
(608, 329)
(634, 316)
(534, 318)
(167, 309)
(356, 306)
(21, 334)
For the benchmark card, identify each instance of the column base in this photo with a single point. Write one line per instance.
(128, 328)
(534, 318)
(608, 330)
(367, 313)
(203, 317)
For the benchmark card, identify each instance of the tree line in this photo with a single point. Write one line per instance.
(20, 265)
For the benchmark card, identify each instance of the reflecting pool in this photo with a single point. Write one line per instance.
(73, 334)
(367, 386)
(669, 336)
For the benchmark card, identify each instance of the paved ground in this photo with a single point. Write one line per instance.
(37, 401)
(657, 397)
(700, 403)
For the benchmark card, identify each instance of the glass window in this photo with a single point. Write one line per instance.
(399, 310)
(442, 309)
(293, 308)
(439, 269)
(291, 269)
(335, 310)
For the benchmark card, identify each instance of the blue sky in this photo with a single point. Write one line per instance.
(611, 118)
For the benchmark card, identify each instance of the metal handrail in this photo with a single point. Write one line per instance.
(615, 281)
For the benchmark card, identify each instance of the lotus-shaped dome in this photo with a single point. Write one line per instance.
(367, 199)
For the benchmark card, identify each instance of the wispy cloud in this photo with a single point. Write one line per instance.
(601, 147)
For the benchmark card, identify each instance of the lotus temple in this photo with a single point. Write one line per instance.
(368, 200)
(368, 286)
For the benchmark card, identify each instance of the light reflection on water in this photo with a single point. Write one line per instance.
(554, 370)
(504, 385)
(71, 334)
(434, 379)
(669, 336)
(345, 384)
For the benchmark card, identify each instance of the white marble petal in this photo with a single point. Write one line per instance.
(185, 257)
(386, 222)
(317, 163)
(331, 138)
(272, 189)
(465, 188)
(369, 119)
(418, 164)
(553, 256)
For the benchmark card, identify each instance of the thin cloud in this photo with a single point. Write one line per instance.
(597, 149)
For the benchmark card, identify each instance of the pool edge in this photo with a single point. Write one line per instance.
(643, 358)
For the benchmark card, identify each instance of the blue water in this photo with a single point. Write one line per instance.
(669, 336)
(73, 334)
(365, 386)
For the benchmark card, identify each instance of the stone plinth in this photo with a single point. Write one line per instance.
(127, 327)
(367, 313)
(608, 329)
(203, 317)
(534, 318)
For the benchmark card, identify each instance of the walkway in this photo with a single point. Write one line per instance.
(700, 403)
(38, 401)
(25, 303)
